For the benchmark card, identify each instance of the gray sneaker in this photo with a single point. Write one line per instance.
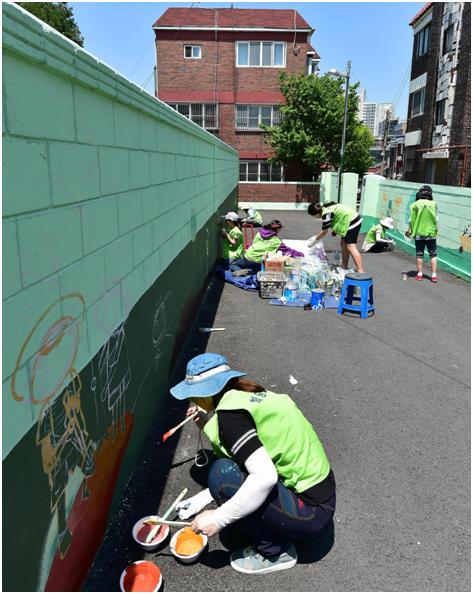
(250, 561)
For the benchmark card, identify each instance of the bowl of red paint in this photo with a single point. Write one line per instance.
(141, 530)
(141, 576)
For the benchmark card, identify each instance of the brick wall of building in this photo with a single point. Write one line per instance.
(461, 126)
(278, 192)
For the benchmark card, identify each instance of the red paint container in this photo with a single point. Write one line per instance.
(141, 576)
(141, 530)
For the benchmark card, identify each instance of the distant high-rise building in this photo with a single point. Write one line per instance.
(381, 115)
(370, 116)
(361, 102)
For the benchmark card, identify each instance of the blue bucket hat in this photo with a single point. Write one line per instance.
(206, 375)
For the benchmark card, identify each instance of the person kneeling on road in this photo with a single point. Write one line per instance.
(272, 475)
(375, 239)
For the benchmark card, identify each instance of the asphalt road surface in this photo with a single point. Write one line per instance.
(390, 399)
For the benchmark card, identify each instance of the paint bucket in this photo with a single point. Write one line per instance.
(140, 531)
(141, 576)
(317, 298)
(181, 536)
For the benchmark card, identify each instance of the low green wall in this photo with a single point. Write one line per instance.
(110, 209)
(383, 197)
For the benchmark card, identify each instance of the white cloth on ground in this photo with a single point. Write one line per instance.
(191, 506)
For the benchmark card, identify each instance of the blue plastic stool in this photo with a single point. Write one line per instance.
(347, 297)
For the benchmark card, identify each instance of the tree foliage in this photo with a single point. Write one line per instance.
(58, 15)
(310, 133)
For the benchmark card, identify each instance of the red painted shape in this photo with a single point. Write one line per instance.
(87, 519)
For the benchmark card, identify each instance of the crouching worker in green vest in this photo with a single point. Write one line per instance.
(272, 475)
(423, 227)
(344, 222)
(266, 241)
(375, 239)
(232, 248)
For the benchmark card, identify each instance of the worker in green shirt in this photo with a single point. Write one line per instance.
(253, 216)
(345, 222)
(272, 475)
(232, 248)
(423, 227)
(375, 239)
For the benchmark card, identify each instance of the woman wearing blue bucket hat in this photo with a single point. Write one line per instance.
(272, 475)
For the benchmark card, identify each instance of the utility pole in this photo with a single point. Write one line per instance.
(385, 138)
(342, 148)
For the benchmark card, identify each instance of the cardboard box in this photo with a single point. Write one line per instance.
(275, 264)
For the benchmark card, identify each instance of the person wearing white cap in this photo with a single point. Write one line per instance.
(375, 239)
(232, 239)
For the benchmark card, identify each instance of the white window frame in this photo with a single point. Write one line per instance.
(274, 109)
(174, 105)
(261, 65)
(421, 90)
(259, 181)
(193, 47)
(421, 41)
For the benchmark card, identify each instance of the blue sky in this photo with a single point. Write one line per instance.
(375, 36)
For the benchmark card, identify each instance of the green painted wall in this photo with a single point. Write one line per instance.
(110, 210)
(383, 197)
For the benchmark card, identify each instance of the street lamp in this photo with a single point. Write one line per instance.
(346, 76)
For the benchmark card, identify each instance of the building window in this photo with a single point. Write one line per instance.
(421, 42)
(448, 39)
(312, 66)
(203, 114)
(418, 102)
(260, 171)
(249, 117)
(194, 52)
(440, 112)
(261, 53)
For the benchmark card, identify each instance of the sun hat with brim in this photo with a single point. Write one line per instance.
(387, 222)
(206, 375)
(230, 216)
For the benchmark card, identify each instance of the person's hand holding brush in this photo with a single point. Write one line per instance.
(201, 417)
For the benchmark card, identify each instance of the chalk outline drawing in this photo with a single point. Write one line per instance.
(61, 422)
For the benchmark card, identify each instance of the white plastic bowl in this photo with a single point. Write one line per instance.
(148, 565)
(186, 558)
(156, 542)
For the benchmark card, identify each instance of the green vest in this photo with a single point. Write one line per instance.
(342, 216)
(260, 246)
(370, 237)
(285, 433)
(424, 218)
(230, 251)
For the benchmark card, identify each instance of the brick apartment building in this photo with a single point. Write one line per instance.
(219, 67)
(437, 142)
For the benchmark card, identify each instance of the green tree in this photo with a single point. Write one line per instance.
(58, 15)
(310, 133)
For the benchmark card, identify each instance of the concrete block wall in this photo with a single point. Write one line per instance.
(106, 191)
(383, 197)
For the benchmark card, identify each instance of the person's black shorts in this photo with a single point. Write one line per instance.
(429, 243)
(352, 234)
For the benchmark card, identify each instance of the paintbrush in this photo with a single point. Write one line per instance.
(160, 521)
(154, 531)
(174, 429)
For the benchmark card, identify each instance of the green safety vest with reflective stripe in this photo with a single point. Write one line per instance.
(230, 251)
(423, 218)
(342, 216)
(370, 237)
(287, 436)
(260, 246)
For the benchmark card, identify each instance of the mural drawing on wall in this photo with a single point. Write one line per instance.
(81, 471)
(465, 240)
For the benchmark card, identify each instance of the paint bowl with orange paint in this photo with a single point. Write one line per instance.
(187, 546)
(141, 530)
(141, 576)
